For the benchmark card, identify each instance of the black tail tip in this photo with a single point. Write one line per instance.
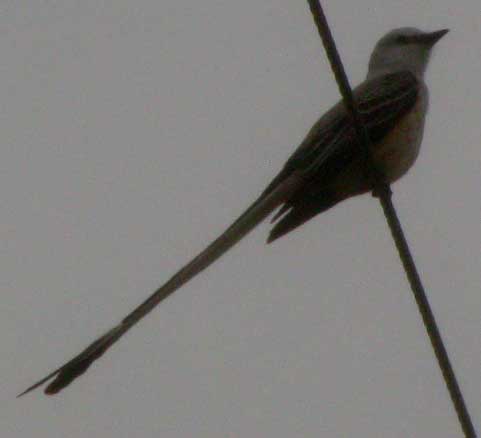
(272, 236)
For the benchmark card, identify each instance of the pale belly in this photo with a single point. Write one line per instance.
(394, 155)
(399, 149)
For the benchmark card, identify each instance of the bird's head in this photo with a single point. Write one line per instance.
(406, 48)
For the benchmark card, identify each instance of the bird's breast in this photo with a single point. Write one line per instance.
(397, 152)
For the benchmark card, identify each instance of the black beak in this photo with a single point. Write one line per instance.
(432, 38)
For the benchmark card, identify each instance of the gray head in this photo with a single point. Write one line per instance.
(406, 48)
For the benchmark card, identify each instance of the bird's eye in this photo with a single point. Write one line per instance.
(403, 39)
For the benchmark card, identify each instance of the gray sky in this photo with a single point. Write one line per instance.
(134, 132)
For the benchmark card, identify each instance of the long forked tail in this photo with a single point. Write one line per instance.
(255, 214)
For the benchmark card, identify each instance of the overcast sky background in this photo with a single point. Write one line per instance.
(132, 133)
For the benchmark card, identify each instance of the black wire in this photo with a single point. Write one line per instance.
(383, 192)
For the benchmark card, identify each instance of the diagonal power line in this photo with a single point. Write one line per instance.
(382, 190)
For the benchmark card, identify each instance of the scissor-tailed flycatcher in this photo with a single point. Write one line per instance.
(326, 168)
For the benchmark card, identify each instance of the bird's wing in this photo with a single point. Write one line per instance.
(258, 211)
(331, 144)
(381, 102)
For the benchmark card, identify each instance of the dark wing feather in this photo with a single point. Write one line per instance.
(331, 144)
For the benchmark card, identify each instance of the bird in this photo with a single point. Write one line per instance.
(325, 169)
